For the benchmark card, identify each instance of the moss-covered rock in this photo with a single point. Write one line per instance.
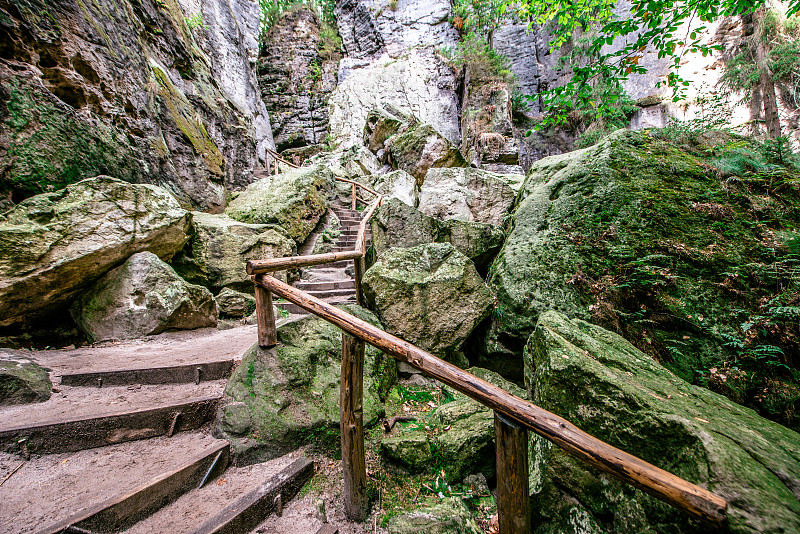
(235, 304)
(22, 380)
(610, 389)
(671, 245)
(449, 516)
(279, 399)
(397, 224)
(410, 450)
(295, 200)
(143, 296)
(54, 245)
(471, 195)
(430, 295)
(419, 148)
(219, 248)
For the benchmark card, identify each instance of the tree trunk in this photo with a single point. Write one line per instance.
(771, 119)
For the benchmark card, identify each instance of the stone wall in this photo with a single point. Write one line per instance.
(154, 91)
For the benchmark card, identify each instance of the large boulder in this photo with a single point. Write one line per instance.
(666, 244)
(295, 200)
(397, 224)
(625, 398)
(22, 380)
(143, 296)
(430, 295)
(236, 304)
(219, 248)
(54, 245)
(448, 516)
(467, 194)
(461, 436)
(396, 184)
(281, 398)
(419, 148)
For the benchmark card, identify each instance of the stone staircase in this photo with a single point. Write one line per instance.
(333, 282)
(124, 443)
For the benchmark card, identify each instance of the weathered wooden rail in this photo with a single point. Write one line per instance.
(513, 416)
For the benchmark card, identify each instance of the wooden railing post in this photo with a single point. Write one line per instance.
(359, 265)
(351, 410)
(354, 198)
(265, 315)
(513, 501)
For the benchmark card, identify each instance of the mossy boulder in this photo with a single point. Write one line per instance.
(460, 439)
(472, 195)
(54, 245)
(143, 296)
(219, 248)
(421, 147)
(430, 295)
(382, 124)
(295, 200)
(681, 247)
(22, 380)
(235, 304)
(608, 388)
(397, 224)
(448, 516)
(282, 398)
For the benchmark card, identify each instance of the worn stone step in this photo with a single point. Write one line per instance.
(295, 309)
(197, 463)
(245, 513)
(82, 418)
(328, 293)
(196, 372)
(326, 285)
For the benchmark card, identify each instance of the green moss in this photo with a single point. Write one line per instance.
(189, 122)
(50, 149)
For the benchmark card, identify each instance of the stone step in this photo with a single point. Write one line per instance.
(326, 285)
(106, 488)
(328, 293)
(295, 309)
(247, 496)
(81, 418)
(194, 372)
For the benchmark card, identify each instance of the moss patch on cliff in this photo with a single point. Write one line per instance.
(50, 148)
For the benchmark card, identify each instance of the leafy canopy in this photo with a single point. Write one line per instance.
(658, 24)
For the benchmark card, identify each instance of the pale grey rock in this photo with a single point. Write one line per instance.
(418, 84)
(396, 184)
(467, 194)
(235, 304)
(144, 296)
(54, 245)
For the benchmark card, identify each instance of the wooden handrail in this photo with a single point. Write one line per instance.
(281, 158)
(362, 186)
(663, 485)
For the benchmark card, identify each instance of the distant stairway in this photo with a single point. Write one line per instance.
(333, 282)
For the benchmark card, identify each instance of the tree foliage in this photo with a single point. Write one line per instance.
(659, 25)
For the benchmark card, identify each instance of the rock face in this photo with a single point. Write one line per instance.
(396, 224)
(22, 380)
(296, 80)
(142, 297)
(449, 516)
(136, 96)
(488, 136)
(56, 244)
(430, 295)
(219, 248)
(633, 403)
(469, 195)
(657, 252)
(279, 399)
(295, 200)
(400, 82)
